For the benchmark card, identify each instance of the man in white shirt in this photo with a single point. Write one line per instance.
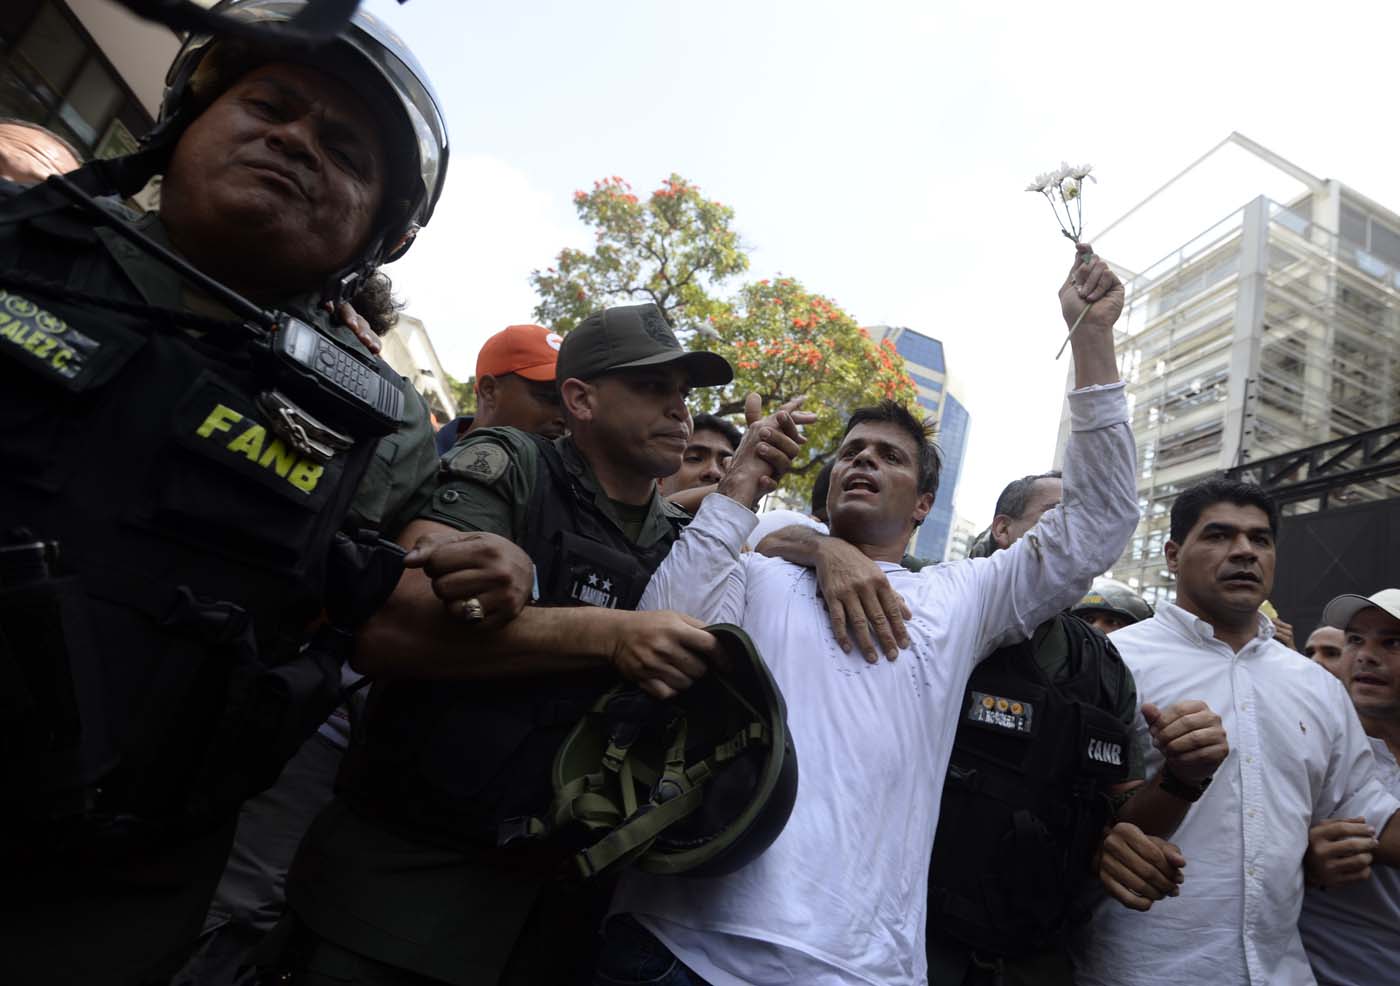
(1351, 913)
(1297, 756)
(840, 897)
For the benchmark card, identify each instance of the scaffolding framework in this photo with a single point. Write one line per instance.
(1268, 345)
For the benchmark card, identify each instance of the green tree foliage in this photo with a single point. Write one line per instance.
(463, 393)
(783, 341)
(674, 249)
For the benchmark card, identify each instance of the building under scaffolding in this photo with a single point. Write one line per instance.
(1274, 330)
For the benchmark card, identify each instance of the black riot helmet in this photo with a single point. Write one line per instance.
(699, 785)
(368, 57)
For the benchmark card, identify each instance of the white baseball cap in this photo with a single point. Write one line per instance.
(1339, 611)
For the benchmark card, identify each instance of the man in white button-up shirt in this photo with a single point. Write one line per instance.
(840, 897)
(1297, 756)
(1351, 914)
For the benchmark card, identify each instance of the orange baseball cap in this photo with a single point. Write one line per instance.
(528, 350)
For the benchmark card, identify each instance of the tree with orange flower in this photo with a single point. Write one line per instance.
(674, 248)
(783, 341)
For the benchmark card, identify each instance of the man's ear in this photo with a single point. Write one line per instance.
(1001, 531)
(1172, 550)
(578, 397)
(921, 507)
(486, 392)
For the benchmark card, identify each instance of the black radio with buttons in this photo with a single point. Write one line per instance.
(318, 371)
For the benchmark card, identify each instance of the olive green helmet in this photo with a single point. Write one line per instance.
(1113, 596)
(701, 784)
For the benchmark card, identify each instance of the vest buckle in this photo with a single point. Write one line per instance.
(305, 433)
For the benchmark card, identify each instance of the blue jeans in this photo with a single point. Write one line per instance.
(632, 956)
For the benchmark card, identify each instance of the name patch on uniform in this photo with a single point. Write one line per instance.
(594, 589)
(36, 334)
(999, 712)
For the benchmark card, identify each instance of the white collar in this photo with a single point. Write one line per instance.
(1192, 626)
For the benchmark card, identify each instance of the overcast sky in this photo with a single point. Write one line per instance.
(877, 151)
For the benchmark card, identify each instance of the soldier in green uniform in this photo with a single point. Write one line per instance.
(177, 516)
(426, 870)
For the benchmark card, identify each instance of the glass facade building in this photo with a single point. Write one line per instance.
(924, 362)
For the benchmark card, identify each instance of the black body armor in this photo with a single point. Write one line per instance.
(1025, 799)
(168, 552)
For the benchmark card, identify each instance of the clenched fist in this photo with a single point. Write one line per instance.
(1190, 737)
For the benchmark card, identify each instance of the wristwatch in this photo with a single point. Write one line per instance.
(1178, 788)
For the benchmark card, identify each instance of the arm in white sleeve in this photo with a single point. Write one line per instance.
(1352, 787)
(1052, 566)
(703, 576)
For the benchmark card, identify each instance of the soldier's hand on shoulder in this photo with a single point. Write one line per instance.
(346, 314)
(1340, 850)
(1190, 736)
(1138, 869)
(481, 578)
(664, 652)
(860, 602)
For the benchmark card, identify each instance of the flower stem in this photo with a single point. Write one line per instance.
(1049, 197)
(1073, 327)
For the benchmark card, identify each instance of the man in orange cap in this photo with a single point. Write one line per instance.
(514, 386)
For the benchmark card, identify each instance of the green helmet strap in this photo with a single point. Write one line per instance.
(699, 784)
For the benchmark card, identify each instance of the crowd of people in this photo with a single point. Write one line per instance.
(296, 683)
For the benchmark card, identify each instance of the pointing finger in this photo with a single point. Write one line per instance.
(753, 408)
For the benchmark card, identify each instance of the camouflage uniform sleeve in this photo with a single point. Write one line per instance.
(484, 483)
(403, 463)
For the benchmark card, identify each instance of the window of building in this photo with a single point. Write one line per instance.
(52, 73)
(1354, 226)
(919, 348)
(924, 381)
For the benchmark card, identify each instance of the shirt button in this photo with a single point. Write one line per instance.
(1249, 759)
(449, 496)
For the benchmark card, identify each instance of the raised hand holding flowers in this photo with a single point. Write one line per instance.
(1063, 188)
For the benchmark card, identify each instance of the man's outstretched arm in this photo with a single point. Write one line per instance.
(423, 630)
(1050, 567)
(704, 573)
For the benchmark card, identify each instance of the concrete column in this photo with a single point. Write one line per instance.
(1247, 334)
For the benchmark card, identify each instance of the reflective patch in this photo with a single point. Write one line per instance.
(244, 436)
(1104, 751)
(484, 462)
(37, 334)
(1012, 715)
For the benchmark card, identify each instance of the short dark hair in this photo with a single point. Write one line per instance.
(821, 486)
(711, 422)
(1191, 502)
(1016, 497)
(895, 413)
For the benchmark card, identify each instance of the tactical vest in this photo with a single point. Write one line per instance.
(1024, 802)
(468, 762)
(153, 679)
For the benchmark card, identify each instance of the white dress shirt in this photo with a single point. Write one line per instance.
(1298, 756)
(841, 896)
(1352, 932)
